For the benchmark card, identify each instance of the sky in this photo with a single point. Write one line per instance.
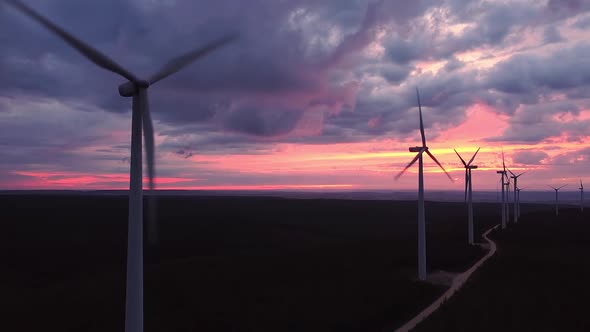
(314, 95)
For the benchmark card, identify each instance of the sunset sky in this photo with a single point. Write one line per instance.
(315, 95)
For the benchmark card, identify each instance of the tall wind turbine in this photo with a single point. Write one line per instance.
(421, 217)
(518, 200)
(581, 196)
(515, 180)
(469, 193)
(136, 88)
(557, 198)
(503, 178)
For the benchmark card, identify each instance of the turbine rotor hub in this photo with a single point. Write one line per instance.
(128, 89)
(143, 84)
(418, 148)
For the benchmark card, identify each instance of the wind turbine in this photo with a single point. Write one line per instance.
(581, 196)
(469, 193)
(502, 181)
(421, 218)
(518, 201)
(557, 198)
(136, 88)
(515, 180)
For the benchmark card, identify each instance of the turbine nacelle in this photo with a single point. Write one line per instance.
(472, 167)
(418, 148)
(129, 89)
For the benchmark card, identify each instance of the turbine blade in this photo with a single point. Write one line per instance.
(473, 158)
(184, 60)
(421, 122)
(503, 164)
(562, 186)
(510, 172)
(91, 53)
(440, 165)
(148, 136)
(408, 166)
(463, 161)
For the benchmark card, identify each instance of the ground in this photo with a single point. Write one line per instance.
(538, 280)
(229, 264)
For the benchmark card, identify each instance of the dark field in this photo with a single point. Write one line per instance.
(246, 264)
(537, 281)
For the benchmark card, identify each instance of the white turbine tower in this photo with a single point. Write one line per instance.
(557, 198)
(469, 193)
(421, 217)
(581, 196)
(136, 88)
(515, 180)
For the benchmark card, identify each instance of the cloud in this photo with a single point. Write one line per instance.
(303, 72)
(582, 23)
(539, 123)
(551, 35)
(533, 73)
(527, 157)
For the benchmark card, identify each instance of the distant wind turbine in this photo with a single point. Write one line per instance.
(518, 201)
(557, 198)
(469, 193)
(421, 217)
(581, 196)
(136, 88)
(515, 180)
(504, 176)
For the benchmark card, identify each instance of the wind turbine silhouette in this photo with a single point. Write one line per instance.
(518, 200)
(581, 196)
(136, 88)
(504, 175)
(421, 217)
(515, 180)
(557, 198)
(469, 193)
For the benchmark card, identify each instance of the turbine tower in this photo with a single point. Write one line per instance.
(421, 217)
(518, 200)
(515, 180)
(581, 196)
(141, 119)
(503, 177)
(506, 191)
(469, 194)
(557, 198)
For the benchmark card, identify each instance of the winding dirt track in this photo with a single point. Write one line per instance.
(458, 281)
